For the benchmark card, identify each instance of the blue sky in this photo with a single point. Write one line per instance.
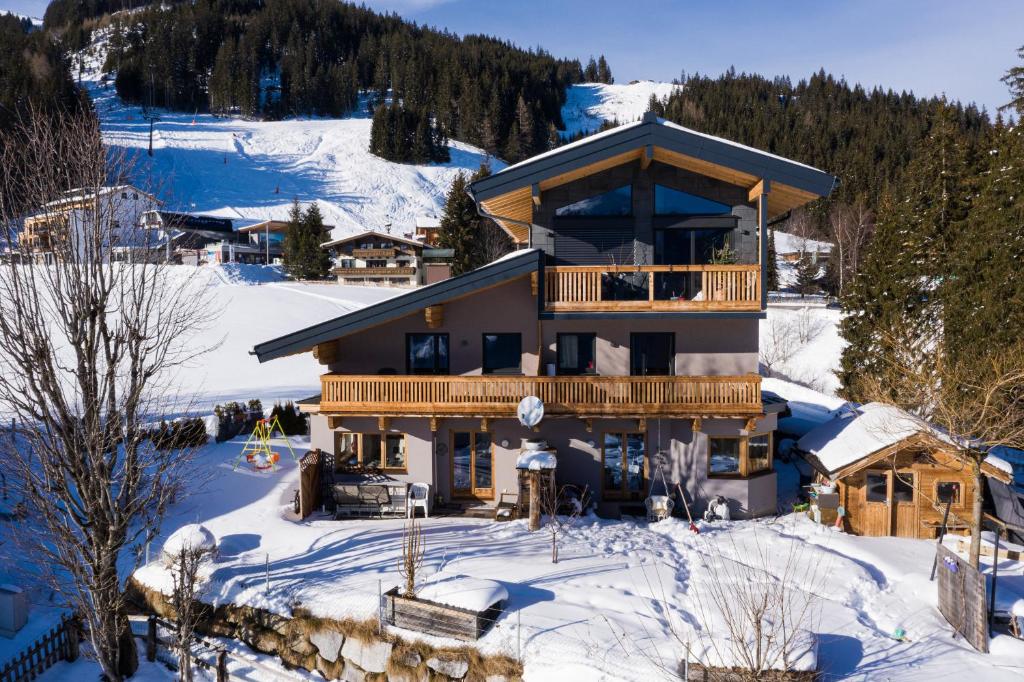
(931, 48)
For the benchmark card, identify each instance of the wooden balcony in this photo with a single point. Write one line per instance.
(374, 253)
(374, 272)
(638, 288)
(578, 396)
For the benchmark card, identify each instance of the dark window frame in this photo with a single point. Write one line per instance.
(518, 370)
(958, 501)
(623, 492)
(577, 371)
(437, 370)
(633, 336)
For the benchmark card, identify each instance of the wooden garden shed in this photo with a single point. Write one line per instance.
(893, 474)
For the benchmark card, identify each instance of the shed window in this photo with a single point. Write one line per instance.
(877, 488)
(503, 353)
(903, 487)
(617, 202)
(668, 201)
(948, 492)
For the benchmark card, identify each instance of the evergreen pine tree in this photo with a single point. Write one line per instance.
(773, 263)
(590, 72)
(458, 225)
(604, 72)
(303, 257)
(524, 122)
(984, 292)
(807, 274)
(1014, 79)
(895, 300)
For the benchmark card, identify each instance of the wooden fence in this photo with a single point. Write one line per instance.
(59, 644)
(962, 598)
(309, 482)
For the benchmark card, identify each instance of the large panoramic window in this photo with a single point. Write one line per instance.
(616, 202)
(739, 456)
(668, 201)
(426, 353)
(652, 354)
(576, 353)
(503, 353)
(370, 450)
(724, 456)
(622, 460)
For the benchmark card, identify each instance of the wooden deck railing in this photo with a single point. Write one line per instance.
(498, 396)
(653, 287)
(374, 272)
(386, 252)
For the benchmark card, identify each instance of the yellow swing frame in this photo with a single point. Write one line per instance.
(258, 444)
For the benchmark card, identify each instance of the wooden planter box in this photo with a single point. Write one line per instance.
(700, 673)
(436, 619)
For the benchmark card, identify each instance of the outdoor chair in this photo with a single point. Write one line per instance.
(419, 496)
(507, 508)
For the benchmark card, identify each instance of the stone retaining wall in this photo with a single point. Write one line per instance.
(340, 649)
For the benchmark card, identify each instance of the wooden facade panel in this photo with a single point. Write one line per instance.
(919, 518)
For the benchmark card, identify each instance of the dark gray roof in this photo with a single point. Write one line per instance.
(660, 133)
(514, 265)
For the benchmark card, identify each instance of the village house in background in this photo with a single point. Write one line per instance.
(68, 218)
(377, 258)
(630, 310)
(428, 230)
(791, 248)
(183, 237)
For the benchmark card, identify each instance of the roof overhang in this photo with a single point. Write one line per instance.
(918, 440)
(516, 265)
(509, 195)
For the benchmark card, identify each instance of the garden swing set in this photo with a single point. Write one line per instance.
(256, 450)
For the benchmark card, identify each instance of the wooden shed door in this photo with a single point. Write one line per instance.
(904, 504)
(877, 511)
(890, 504)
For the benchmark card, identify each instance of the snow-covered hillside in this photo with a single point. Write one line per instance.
(237, 168)
(588, 105)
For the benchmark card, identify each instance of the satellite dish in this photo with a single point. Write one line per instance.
(530, 411)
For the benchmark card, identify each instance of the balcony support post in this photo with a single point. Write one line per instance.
(485, 424)
(696, 425)
(383, 423)
(433, 424)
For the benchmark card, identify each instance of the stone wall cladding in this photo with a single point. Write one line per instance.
(340, 650)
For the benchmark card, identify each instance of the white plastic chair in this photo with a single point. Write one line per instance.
(419, 496)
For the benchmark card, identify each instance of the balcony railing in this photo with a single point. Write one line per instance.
(582, 396)
(374, 272)
(653, 287)
(386, 252)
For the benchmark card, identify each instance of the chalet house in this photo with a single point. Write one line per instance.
(630, 309)
(791, 248)
(892, 474)
(377, 258)
(119, 209)
(183, 237)
(428, 229)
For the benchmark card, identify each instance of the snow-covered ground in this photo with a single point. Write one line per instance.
(803, 345)
(588, 105)
(620, 602)
(237, 168)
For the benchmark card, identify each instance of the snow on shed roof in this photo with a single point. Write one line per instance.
(854, 434)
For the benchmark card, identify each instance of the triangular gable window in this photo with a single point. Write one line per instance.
(668, 201)
(617, 202)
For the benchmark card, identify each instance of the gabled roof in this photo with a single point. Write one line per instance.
(508, 193)
(371, 233)
(517, 264)
(859, 437)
